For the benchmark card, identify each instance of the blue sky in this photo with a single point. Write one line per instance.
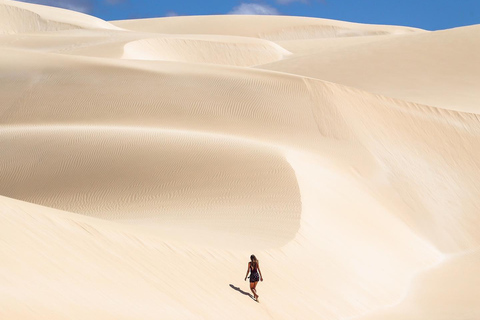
(425, 14)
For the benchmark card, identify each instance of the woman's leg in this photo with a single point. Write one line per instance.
(253, 286)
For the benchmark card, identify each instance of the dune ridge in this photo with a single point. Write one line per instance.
(143, 161)
(435, 65)
(266, 27)
(20, 17)
(238, 52)
(17, 20)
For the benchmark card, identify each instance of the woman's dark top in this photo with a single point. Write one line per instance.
(254, 276)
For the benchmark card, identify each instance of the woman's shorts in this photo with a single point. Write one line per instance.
(254, 277)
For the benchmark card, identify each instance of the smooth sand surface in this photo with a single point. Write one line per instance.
(433, 68)
(143, 161)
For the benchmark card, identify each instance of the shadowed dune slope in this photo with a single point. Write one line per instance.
(18, 20)
(20, 17)
(154, 177)
(155, 94)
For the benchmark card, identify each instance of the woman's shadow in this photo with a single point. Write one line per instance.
(241, 291)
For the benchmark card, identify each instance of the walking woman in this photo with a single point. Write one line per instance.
(255, 275)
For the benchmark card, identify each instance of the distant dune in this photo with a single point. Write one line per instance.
(143, 161)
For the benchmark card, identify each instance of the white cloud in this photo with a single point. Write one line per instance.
(302, 1)
(76, 5)
(171, 14)
(290, 1)
(115, 1)
(254, 8)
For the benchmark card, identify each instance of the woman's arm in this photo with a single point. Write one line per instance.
(248, 270)
(260, 272)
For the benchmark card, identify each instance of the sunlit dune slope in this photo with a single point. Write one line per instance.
(288, 111)
(230, 50)
(448, 291)
(143, 161)
(438, 68)
(79, 261)
(266, 27)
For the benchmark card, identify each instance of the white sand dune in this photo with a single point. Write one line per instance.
(143, 161)
(266, 27)
(20, 17)
(236, 51)
(434, 68)
(448, 291)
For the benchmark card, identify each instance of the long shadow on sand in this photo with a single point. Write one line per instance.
(241, 291)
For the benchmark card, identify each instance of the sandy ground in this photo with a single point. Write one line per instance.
(143, 161)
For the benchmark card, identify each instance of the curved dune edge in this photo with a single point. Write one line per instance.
(266, 27)
(425, 67)
(446, 291)
(217, 50)
(336, 114)
(116, 249)
(18, 20)
(157, 178)
(409, 161)
(21, 17)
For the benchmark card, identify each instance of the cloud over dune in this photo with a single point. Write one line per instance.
(254, 8)
(290, 1)
(171, 14)
(302, 1)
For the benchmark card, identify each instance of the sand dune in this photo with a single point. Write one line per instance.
(19, 17)
(143, 161)
(217, 50)
(447, 291)
(266, 27)
(157, 177)
(434, 68)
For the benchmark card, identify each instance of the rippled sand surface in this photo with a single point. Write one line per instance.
(143, 161)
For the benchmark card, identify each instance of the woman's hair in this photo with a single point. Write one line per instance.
(254, 261)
